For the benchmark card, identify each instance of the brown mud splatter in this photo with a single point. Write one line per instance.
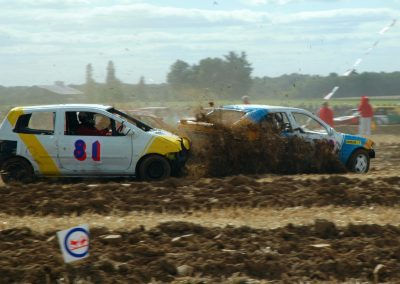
(255, 150)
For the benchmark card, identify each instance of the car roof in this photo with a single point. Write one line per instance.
(66, 107)
(249, 108)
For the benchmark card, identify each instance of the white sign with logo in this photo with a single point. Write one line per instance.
(74, 243)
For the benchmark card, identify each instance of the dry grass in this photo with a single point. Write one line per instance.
(381, 139)
(257, 218)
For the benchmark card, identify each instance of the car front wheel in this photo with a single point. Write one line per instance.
(359, 161)
(17, 170)
(154, 167)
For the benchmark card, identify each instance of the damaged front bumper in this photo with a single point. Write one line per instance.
(179, 160)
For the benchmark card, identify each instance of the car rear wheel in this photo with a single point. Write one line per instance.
(154, 167)
(17, 170)
(359, 161)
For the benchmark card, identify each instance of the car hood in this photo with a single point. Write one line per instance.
(168, 136)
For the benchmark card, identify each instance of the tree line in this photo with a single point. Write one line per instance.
(229, 78)
(314, 86)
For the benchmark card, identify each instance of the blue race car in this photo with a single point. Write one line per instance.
(354, 151)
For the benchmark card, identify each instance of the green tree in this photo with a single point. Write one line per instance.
(113, 90)
(89, 74)
(238, 74)
(111, 78)
(90, 84)
(227, 77)
(180, 75)
(141, 89)
(210, 74)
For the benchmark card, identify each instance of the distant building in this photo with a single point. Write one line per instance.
(61, 89)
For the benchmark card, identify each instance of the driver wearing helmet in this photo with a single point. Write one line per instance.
(87, 125)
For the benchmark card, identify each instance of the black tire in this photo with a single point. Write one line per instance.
(154, 167)
(359, 162)
(17, 170)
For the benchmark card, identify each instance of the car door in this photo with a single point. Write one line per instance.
(104, 152)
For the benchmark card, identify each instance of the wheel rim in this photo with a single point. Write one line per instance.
(361, 163)
(155, 170)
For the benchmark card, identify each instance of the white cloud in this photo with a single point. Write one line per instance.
(263, 2)
(255, 2)
(151, 37)
(58, 3)
(140, 14)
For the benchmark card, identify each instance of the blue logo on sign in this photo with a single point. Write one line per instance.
(76, 242)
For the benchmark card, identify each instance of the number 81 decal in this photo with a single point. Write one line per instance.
(80, 150)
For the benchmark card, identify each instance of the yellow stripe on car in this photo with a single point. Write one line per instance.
(40, 155)
(14, 114)
(38, 152)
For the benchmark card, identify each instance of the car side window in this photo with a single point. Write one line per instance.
(110, 126)
(91, 124)
(36, 123)
(308, 123)
(278, 121)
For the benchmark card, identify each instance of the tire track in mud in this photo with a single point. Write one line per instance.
(317, 252)
(262, 218)
(182, 195)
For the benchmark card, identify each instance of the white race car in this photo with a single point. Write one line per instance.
(85, 140)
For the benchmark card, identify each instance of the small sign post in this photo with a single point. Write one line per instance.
(74, 243)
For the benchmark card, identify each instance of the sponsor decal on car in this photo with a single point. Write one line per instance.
(353, 142)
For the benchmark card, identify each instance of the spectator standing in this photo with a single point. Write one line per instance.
(366, 114)
(326, 113)
(246, 100)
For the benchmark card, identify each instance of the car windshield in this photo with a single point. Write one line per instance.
(130, 119)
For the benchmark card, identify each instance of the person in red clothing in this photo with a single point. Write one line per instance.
(366, 113)
(87, 126)
(326, 114)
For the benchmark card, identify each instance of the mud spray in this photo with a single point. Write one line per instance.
(255, 150)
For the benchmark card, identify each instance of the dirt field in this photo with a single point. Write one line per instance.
(293, 228)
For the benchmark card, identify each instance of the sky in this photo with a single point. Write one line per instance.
(42, 41)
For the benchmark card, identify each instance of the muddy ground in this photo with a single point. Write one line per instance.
(380, 187)
(176, 196)
(318, 252)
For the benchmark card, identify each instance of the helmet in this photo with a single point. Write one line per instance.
(86, 118)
